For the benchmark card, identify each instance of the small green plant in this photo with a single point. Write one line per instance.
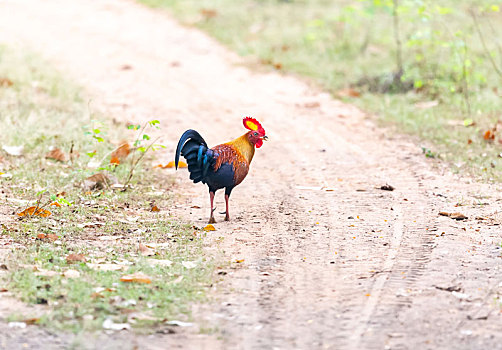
(428, 153)
(142, 145)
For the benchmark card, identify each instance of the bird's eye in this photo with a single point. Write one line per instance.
(255, 134)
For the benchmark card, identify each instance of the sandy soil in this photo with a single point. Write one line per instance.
(351, 267)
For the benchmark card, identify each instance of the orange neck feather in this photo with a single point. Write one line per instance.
(244, 146)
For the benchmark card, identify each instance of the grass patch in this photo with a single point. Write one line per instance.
(105, 226)
(448, 79)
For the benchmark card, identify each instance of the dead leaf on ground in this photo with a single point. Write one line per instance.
(5, 82)
(97, 181)
(121, 153)
(154, 208)
(138, 277)
(56, 154)
(73, 258)
(387, 187)
(51, 236)
(208, 13)
(31, 321)
(209, 228)
(145, 251)
(455, 216)
(238, 261)
(312, 105)
(35, 211)
(171, 164)
(348, 92)
(195, 207)
(489, 135)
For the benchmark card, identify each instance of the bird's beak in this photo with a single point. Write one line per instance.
(265, 138)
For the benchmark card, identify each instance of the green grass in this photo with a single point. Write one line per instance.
(41, 110)
(341, 44)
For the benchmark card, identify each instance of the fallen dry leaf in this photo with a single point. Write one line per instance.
(56, 204)
(154, 208)
(208, 13)
(53, 237)
(35, 211)
(31, 321)
(171, 164)
(209, 228)
(312, 105)
(145, 251)
(455, 216)
(387, 187)
(97, 182)
(238, 261)
(73, 258)
(137, 277)
(348, 92)
(489, 135)
(120, 153)
(56, 154)
(5, 82)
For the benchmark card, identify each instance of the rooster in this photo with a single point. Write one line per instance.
(223, 166)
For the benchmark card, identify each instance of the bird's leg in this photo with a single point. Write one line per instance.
(211, 198)
(227, 217)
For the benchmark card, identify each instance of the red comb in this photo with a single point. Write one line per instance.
(253, 124)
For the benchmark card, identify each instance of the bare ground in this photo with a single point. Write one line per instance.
(351, 267)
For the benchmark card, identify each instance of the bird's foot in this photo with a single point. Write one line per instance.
(227, 217)
(212, 220)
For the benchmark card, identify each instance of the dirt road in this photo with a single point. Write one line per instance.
(330, 260)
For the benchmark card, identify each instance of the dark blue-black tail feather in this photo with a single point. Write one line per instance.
(198, 156)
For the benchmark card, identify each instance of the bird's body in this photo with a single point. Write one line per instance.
(223, 166)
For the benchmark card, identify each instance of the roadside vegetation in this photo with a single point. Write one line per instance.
(86, 234)
(430, 68)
